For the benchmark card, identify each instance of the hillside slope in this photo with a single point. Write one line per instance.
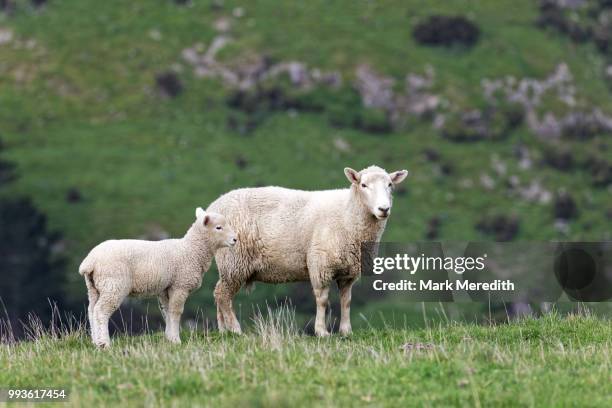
(119, 130)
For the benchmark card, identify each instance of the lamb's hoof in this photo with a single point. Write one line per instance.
(102, 345)
(174, 340)
(322, 333)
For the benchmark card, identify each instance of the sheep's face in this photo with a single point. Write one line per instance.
(217, 227)
(374, 187)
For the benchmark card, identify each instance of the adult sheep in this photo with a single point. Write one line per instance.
(289, 235)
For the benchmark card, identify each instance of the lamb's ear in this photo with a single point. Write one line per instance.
(398, 176)
(352, 175)
(200, 213)
(206, 220)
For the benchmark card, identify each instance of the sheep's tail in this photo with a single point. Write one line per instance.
(87, 266)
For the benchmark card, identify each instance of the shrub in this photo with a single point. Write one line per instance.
(558, 158)
(491, 123)
(439, 30)
(169, 83)
(601, 172)
(565, 207)
(555, 17)
(502, 227)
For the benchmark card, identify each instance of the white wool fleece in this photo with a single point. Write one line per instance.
(170, 269)
(292, 235)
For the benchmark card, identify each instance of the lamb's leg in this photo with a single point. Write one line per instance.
(321, 293)
(92, 295)
(345, 286)
(107, 304)
(176, 303)
(224, 294)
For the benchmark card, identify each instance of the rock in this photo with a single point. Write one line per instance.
(376, 90)
(155, 34)
(222, 24)
(487, 181)
(154, 232)
(238, 12)
(342, 145)
(6, 36)
(534, 192)
(524, 157)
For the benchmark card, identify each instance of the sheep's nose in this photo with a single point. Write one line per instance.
(384, 210)
(234, 240)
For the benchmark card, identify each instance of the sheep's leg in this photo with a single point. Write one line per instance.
(163, 303)
(107, 304)
(345, 286)
(224, 294)
(321, 293)
(176, 304)
(220, 319)
(320, 280)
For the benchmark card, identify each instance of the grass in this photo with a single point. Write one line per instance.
(80, 110)
(550, 361)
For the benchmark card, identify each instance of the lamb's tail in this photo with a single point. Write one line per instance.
(86, 270)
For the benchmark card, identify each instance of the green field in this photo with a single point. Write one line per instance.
(552, 361)
(80, 109)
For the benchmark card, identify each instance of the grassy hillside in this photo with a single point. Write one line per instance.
(80, 110)
(552, 361)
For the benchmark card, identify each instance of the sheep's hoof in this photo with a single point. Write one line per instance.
(102, 345)
(322, 333)
(174, 339)
(346, 333)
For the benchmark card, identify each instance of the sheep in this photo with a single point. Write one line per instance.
(169, 269)
(293, 235)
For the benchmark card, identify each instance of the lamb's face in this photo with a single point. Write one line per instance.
(375, 187)
(217, 227)
(222, 233)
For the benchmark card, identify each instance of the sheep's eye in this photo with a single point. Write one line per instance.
(218, 227)
(363, 185)
(390, 185)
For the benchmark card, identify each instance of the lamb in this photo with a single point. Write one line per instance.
(292, 235)
(169, 269)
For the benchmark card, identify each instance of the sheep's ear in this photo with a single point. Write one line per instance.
(352, 175)
(398, 176)
(200, 212)
(206, 220)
